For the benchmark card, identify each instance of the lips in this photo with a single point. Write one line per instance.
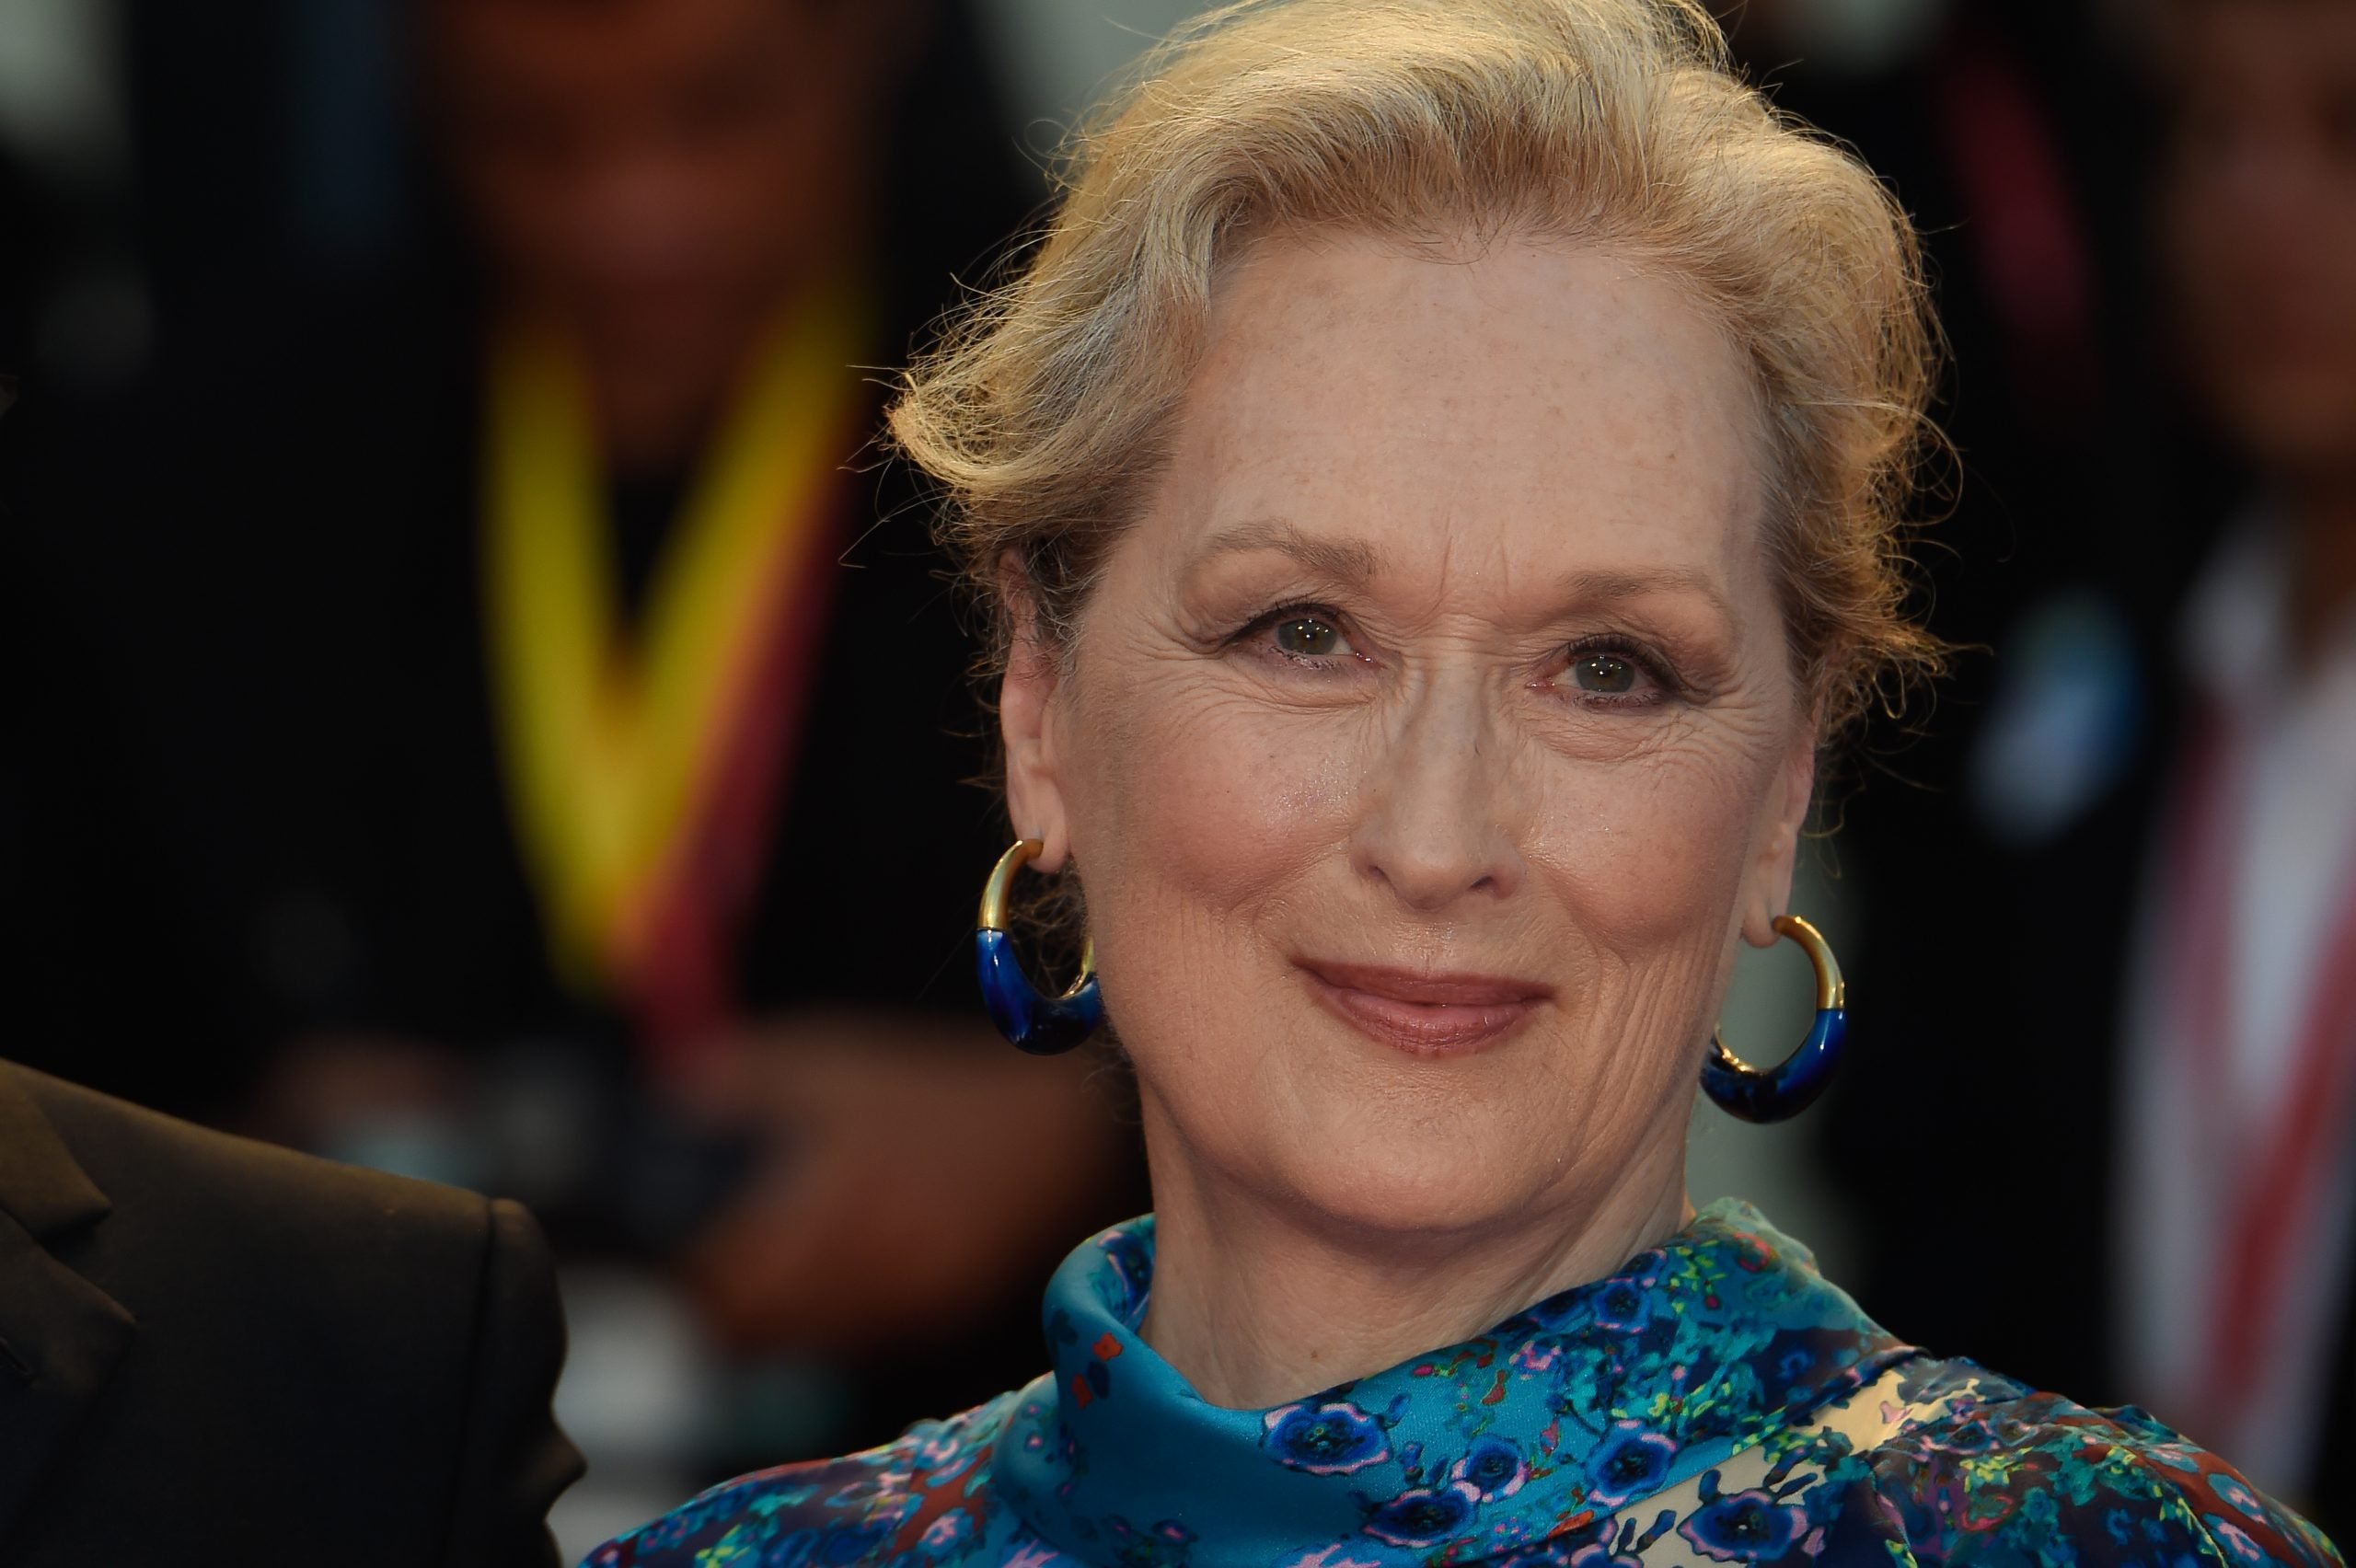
(1422, 1013)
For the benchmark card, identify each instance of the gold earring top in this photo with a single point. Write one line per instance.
(994, 891)
(1832, 991)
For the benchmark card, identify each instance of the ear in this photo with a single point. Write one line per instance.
(1767, 885)
(1028, 723)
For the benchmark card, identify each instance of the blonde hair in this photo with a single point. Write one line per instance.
(1040, 414)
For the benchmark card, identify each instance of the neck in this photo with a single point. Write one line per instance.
(1256, 1302)
(654, 414)
(2323, 580)
(657, 395)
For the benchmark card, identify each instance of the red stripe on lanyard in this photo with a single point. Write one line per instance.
(2275, 1177)
(685, 994)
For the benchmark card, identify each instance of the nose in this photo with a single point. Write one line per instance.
(1436, 826)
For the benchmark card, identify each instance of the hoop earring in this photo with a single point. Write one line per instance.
(1771, 1094)
(1043, 1025)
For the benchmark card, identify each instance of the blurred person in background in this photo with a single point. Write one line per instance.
(486, 730)
(2161, 797)
(695, 626)
(2241, 989)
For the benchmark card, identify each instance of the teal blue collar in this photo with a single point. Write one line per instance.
(1568, 1411)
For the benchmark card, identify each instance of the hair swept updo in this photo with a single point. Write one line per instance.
(1040, 413)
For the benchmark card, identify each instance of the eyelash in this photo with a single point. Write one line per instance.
(1666, 684)
(1271, 620)
(1656, 668)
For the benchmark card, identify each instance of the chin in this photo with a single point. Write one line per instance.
(1385, 1168)
(1352, 1134)
(1398, 1206)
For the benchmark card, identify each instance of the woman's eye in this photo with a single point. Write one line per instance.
(1607, 674)
(1310, 637)
(1621, 677)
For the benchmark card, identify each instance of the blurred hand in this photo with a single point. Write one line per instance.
(917, 1173)
(385, 1101)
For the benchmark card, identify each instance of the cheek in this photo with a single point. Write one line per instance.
(1200, 800)
(1648, 855)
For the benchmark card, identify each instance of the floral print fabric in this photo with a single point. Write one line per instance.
(1716, 1400)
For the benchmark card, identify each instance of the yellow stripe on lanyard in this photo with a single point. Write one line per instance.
(610, 743)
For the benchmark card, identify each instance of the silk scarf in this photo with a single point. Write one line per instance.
(1714, 1401)
(1588, 1400)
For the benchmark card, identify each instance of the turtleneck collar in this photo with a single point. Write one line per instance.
(1565, 1413)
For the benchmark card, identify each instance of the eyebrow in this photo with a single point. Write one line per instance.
(1355, 564)
(1350, 563)
(1609, 586)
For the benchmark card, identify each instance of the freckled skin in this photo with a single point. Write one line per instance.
(1435, 790)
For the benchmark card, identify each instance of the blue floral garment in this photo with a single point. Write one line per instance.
(1716, 1400)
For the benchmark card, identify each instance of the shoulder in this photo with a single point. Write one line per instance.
(387, 1345)
(924, 1496)
(197, 1221)
(138, 1157)
(1969, 1460)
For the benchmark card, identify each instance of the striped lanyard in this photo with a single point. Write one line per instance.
(643, 772)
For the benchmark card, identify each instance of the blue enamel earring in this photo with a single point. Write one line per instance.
(1040, 1024)
(1771, 1094)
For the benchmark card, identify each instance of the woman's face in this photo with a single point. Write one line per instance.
(1431, 737)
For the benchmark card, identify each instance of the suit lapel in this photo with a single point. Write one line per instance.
(60, 1336)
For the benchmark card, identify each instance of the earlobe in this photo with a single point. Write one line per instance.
(1765, 898)
(1768, 890)
(1027, 725)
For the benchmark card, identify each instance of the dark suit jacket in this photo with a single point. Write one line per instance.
(216, 1351)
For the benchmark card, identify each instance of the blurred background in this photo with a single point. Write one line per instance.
(439, 735)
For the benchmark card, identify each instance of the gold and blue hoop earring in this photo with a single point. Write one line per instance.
(1771, 1094)
(1035, 1022)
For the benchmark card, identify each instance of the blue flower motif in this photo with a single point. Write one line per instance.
(1745, 1526)
(1327, 1439)
(1425, 1517)
(1628, 1463)
(1493, 1467)
(1621, 1306)
(848, 1543)
(2232, 1540)
(2230, 1491)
